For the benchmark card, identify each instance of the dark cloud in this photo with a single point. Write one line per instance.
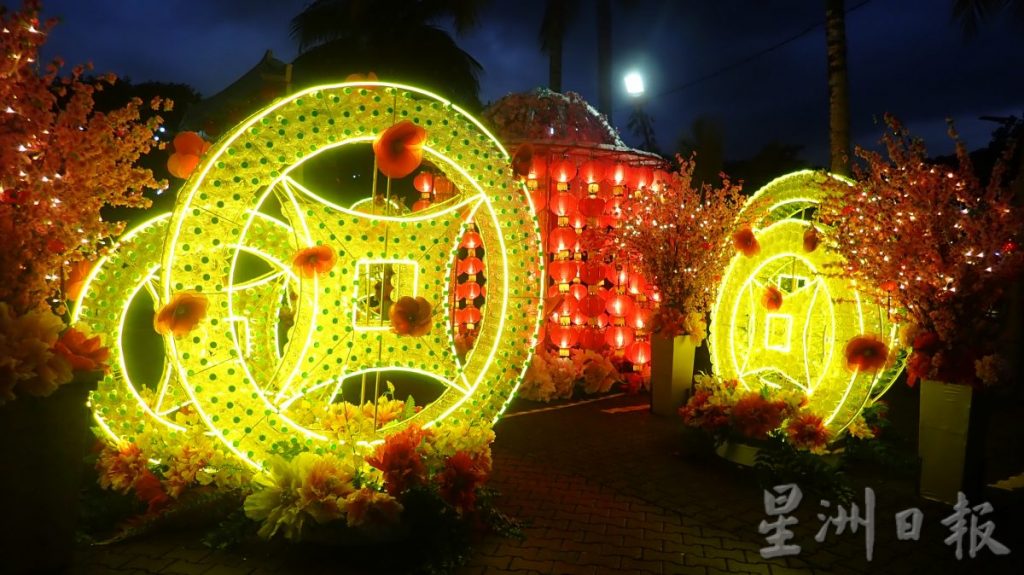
(905, 57)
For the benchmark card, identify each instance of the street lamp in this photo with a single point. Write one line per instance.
(634, 84)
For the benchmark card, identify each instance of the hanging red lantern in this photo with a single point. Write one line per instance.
(471, 265)
(420, 204)
(575, 220)
(591, 338)
(642, 176)
(564, 308)
(563, 272)
(470, 316)
(618, 336)
(563, 239)
(562, 172)
(423, 182)
(592, 305)
(563, 336)
(592, 207)
(618, 174)
(577, 317)
(639, 318)
(592, 272)
(639, 352)
(592, 172)
(619, 305)
(468, 291)
(636, 284)
(578, 291)
(539, 197)
(562, 204)
(538, 167)
(443, 188)
(471, 240)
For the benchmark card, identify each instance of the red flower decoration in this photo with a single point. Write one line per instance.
(699, 412)
(807, 431)
(84, 354)
(410, 316)
(76, 279)
(399, 149)
(866, 353)
(458, 483)
(811, 239)
(149, 490)
(181, 315)
(754, 416)
(522, 160)
(316, 260)
(772, 298)
(400, 461)
(746, 242)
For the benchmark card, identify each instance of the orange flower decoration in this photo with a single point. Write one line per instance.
(772, 298)
(399, 149)
(458, 483)
(316, 260)
(400, 461)
(76, 279)
(866, 353)
(811, 239)
(181, 315)
(522, 160)
(746, 242)
(410, 316)
(84, 354)
(807, 431)
(754, 416)
(369, 76)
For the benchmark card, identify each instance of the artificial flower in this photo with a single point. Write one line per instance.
(84, 354)
(702, 411)
(369, 508)
(807, 431)
(410, 316)
(182, 315)
(400, 461)
(754, 415)
(459, 481)
(77, 275)
(150, 491)
(596, 371)
(859, 428)
(28, 363)
(120, 465)
(325, 483)
(399, 149)
(771, 299)
(186, 465)
(746, 242)
(811, 239)
(866, 353)
(316, 260)
(275, 500)
(385, 411)
(989, 369)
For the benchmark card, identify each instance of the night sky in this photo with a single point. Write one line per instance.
(906, 57)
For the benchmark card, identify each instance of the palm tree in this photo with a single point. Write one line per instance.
(557, 15)
(838, 88)
(972, 13)
(396, 39)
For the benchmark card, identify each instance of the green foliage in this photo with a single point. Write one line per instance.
(778, 462)
(235, 529)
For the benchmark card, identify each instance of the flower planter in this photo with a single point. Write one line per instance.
(42, 445)
(944, 439)
(737, 452)
(671, 373)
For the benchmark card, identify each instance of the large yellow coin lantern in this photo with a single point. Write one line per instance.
(320, 311)
(785, 315)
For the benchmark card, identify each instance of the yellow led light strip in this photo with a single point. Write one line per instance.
(830, 307)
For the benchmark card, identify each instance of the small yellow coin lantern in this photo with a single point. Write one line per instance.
(245, 396)
(784, 316)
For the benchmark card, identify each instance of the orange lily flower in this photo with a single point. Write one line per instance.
(746, 242)
(866, 353)
(399, 149)
(316, 260)
(84, 354)
(410, 316)
(181, 315)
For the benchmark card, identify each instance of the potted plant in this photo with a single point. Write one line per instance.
(943, 247)
(679, 239)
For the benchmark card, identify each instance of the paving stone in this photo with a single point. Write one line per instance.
(182, 567)
(520, 564)
(717, 562)
(147, 563)
(228, 570)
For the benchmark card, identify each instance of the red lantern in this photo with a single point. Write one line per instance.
(563, 336)
(592, 339)
(563, 239)
(592, 207)
(592, 272)
(424, 182)
(592, 305)
(563, 271)
(639, 352)
(443, 188)
(562, 204)
(471, 265)
(420, 205)
(619, 305)
(577, 317)
(468, 290)
(639, 318)
(613, 208)
(618, 336)
(592, 171)
(538, 167)
(469, 316)
(642, 176)
(636, 284)
(578, 291)
(471, 240)
(618, 173)
(563, 171)
(565, 308)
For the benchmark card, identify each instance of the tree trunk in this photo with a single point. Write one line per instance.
(555, 64)
(604, 58)
(838, 90)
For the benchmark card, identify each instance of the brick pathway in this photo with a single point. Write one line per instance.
(621, 493)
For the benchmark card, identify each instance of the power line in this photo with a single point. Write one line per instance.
(750, 58)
